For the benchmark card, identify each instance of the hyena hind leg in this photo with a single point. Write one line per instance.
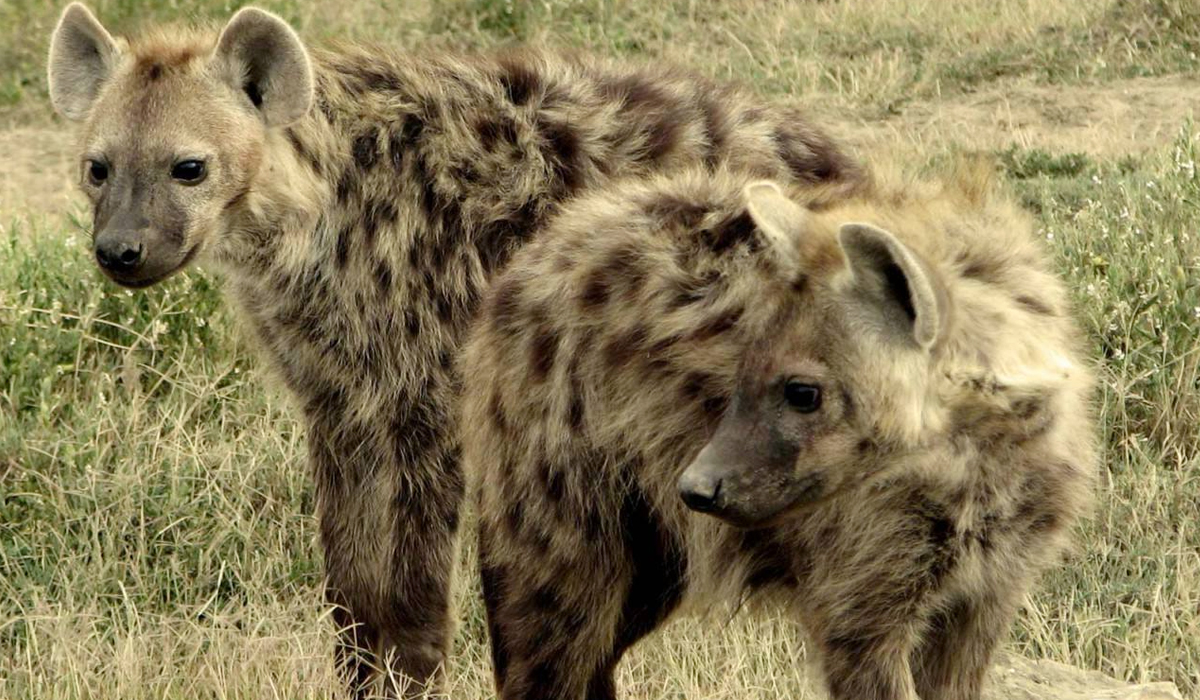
(561, 621)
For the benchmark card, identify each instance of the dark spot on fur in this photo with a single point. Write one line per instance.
(366, 149)
(554, 482)
(544, 600)
(155, 72)
(302, 150)
(507, 303)
(342, 246)
(621, 350)
(596, 289)
(498, 238)
(515, 515)
(1034, 305)
(715, 405)
(663, 136)
(677, 210)
(376, 80)
(544, 679)
(716, 129)
(325, 107)
(412, 323)
(769, 559)
(237, 199)
(984, 270)
(575, 410)
(542, 352)
(383, 277)
(696, 385)
(808, 156)
(564, 152)
(378, 212)
(939, 548)
(444, 305)
(396, 151)
(730, 232)
(519, 80)
(635, 92)
(495, 132)
(846, 647)
(625, 264)
(718, 324)
(411, 131)
(499, 418)
(346, 185)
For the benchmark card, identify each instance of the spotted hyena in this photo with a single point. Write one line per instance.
(878, 401)
(358, 202)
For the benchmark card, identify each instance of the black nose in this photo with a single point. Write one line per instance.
(700, 493)
(116, 255)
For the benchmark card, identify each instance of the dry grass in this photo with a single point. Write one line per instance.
(155, 536)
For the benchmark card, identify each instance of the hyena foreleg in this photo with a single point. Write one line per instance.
(957, 648)
(560, 618)
(389, 530)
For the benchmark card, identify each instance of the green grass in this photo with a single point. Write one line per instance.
(156, 537)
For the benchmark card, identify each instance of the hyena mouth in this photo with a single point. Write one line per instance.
(143, 282)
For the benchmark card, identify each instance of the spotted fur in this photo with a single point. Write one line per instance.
(610, 352)
(357, 240)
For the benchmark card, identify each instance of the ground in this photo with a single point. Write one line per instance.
(156, 537)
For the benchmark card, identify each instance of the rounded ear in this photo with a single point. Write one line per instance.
(261, 56)
(779, 219)
(82, 56)
(893, 287)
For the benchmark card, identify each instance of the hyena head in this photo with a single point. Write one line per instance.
(818, 405)
(173, 129)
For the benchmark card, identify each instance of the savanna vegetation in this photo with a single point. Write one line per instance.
(156, 538)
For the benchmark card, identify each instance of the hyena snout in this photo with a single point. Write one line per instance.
(746, 487)
(120, 255)
(139, 254)
(700, 490)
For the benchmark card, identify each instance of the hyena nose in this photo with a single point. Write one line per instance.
(700, 492)
(120, 256)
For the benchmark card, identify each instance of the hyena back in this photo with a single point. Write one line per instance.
(358, 201)
(895, 427)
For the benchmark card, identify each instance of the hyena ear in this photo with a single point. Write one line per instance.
(779, 220)
(262, 57)
(896, 291)
(82, 56)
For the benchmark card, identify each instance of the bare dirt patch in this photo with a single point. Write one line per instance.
(1118, 118)
(37, 174)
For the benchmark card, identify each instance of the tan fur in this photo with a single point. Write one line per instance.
(358, 240)
(607, 356)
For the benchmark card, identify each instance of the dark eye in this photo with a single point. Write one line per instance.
(805, 398)
(97, 172)
(188, 171)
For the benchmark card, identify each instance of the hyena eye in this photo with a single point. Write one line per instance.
(97, 172)
(802, 397)
(190, 172)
